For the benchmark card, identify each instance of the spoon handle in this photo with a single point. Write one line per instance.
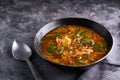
(35, 73)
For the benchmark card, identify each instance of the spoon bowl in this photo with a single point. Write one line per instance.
(20, 50)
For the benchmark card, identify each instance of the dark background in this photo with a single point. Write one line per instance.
(21, 19)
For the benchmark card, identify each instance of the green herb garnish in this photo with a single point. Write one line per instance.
(82, 33)
(101, 46)
(57, 34)
(79, 63)
(93, 45)
(52, 48)
(84, 41)
(61, 49)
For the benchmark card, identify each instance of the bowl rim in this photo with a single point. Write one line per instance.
(80, 66)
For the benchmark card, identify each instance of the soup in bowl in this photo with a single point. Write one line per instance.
(74, 42)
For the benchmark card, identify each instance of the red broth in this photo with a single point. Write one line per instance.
(73, 45)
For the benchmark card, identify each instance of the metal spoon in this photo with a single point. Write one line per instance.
(22, 52)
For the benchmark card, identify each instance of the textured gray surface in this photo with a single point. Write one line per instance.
(21, 19)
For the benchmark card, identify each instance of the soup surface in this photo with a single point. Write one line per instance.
(73, 45)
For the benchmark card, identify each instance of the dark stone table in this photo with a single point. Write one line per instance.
(21, 19)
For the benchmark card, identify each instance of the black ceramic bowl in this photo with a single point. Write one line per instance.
(73, 21)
